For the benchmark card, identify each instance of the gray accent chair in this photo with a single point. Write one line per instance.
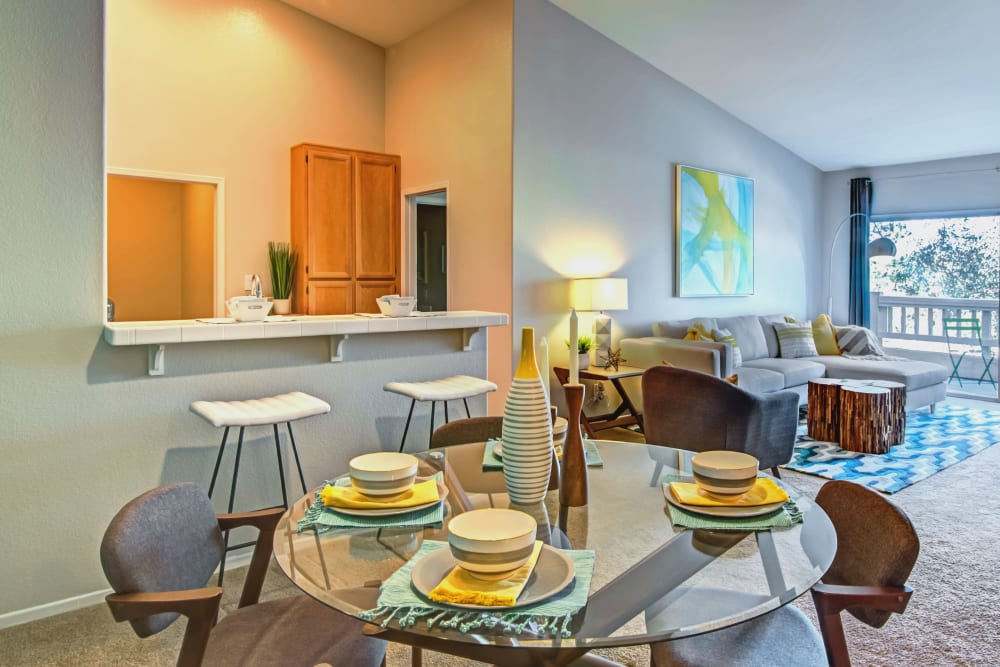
(697, 412)
(160, 550)
(877, 548)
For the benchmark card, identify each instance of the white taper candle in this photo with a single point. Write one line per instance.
(574, 342)
(543, 366)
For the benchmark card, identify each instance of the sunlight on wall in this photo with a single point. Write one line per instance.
(577, 249)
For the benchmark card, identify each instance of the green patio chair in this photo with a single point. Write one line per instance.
(964, 336)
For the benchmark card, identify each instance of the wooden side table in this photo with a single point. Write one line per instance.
(618, 417)
(861, 415)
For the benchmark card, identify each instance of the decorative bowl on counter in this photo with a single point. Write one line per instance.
(393, 305)
(383, 473)
(248, 308)
(491, 543)
(724, 472)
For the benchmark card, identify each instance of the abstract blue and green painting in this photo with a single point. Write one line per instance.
(714, 233)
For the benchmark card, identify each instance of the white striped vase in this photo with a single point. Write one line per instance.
(527, 430)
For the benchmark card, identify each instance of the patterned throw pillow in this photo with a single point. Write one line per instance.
(698, 332)
(858, 341)
(725, 336)
(795, 340)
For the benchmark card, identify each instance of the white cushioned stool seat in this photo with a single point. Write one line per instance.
(274, 410)
(447, 389)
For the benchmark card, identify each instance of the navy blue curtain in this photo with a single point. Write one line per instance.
(859, 304)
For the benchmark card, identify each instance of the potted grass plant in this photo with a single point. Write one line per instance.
(282, 260)
(583, 344)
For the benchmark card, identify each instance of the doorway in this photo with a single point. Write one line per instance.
(427, 213)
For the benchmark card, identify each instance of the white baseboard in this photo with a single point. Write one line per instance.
(57, 607)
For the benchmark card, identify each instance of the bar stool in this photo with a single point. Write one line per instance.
(448, 389)
(257, 412)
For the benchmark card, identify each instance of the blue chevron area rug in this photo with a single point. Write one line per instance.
(933, 442)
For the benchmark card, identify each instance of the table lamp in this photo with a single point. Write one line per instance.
(600, 294)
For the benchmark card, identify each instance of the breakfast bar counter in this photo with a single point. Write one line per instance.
(338, 327)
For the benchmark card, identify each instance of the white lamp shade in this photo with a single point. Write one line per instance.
(600, 294)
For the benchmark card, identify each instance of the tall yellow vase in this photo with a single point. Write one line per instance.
(527, 430)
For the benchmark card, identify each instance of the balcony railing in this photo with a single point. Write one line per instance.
(922, 318)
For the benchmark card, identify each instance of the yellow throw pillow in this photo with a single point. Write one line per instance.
(697, 331)
(733, 379)
(825, 336)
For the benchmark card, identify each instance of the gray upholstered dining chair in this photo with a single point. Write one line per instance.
(160, 550)
(697, 412)
(877, 547)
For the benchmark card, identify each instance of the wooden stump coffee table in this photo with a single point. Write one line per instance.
(860, 415)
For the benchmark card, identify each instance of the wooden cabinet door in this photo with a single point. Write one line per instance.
(367, 291)
(377, 217)
(330, 251)
(331, 297)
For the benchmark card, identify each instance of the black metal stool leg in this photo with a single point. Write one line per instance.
(281, 467)
(218, 460)
(431, 437)
(467, 413)
(446, 419)
(232, 498)
(295, 451)
(406, 429)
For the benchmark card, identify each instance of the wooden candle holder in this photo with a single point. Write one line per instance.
(573, 484)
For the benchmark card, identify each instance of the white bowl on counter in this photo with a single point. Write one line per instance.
(394, 305)
(248, 308)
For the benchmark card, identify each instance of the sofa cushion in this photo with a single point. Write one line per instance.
(795, 340)
(793, 371)
(677, 328)
(767, 328)
(760, 380)
(748, 333)
(914, 374)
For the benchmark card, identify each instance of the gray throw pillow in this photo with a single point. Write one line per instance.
(858, 341)
(795, 339)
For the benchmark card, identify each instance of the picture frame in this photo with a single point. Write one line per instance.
(714, 240)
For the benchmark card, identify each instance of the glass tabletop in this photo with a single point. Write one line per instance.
(651, 581)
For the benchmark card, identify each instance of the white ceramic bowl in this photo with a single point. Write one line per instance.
(248, 308)
(724, 473)
(383, 473)
(491, 543)
(394, 305)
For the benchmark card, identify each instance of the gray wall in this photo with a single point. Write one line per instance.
(84, 427)
(597, 133)
(941, 186)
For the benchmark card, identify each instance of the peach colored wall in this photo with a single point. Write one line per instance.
(144, 248)
(197, 251)
(226, 88)
(448, 114)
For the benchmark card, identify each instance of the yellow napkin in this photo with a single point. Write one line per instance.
(460, 587)
(420, 493)
(764, 492)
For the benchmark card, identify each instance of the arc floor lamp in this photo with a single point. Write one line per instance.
(880, 247)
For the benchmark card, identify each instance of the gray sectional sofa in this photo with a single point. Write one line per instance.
(764, 370)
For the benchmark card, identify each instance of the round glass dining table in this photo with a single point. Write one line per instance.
(651, 582)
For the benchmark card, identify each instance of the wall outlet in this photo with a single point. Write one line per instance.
(247, 281)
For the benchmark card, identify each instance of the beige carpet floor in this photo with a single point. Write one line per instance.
(953, 617)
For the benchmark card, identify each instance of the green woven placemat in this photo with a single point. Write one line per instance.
(321, 517)
(492, 462)
(783, 517)
(398, 601)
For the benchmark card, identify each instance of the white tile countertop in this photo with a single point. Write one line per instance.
(338, 327)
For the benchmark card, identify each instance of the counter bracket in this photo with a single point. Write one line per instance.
(337, 347)
(467, 335)
(156, 359)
